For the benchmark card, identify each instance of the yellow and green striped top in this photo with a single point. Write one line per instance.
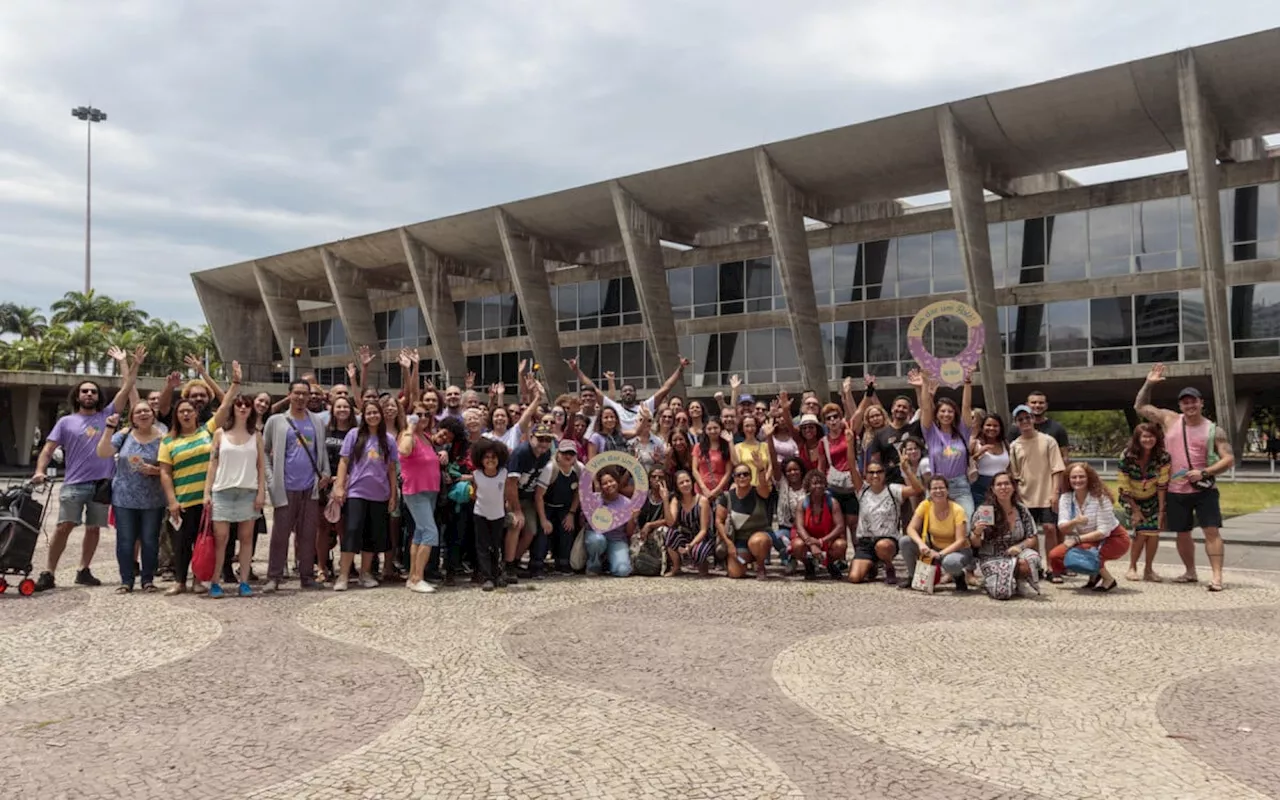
(189, 457)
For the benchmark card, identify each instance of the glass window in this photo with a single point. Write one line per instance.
(849, 347)
(759, 356)
(1068, 246)
(1026, 249)
(947, 336)
(730, 354)
(948, 270)
(1193, 325)
(1110, 240)
(999, 253)
(878, 268)
(731, 287)
(759, 284)
(1187, 232)
(882, 347)
(820, 268)
(1111, 330)
(610, 358)
(680, 288)
(1155, 239)
(589, 359)
(698, 350)
(1069, 333)
(914, 265)
(785, 361)
(633, 361)
(706, 291)
(565, 297)
(589, 305)
(846, 281)
(1255, 320)
(630, 304)
(1156, 324)
(1030, 336)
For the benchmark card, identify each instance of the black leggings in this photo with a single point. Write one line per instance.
(183, 539)
(490, 534)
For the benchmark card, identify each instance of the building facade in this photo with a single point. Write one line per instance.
(795, 263)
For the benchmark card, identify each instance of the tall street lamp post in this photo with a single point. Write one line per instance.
(90, 115)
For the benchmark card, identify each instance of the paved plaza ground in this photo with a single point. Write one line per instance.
(644, 688)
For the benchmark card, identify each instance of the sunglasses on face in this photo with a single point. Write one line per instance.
(875, 472)
(831, 417)
(241, 403)
(742, 474)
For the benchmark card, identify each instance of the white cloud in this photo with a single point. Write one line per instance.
(242, 129)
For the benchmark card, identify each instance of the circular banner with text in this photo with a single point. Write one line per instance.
(599, 516)
(948, 370)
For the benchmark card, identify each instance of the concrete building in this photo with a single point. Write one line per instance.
(796, 263)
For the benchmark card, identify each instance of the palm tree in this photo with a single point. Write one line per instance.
(167, 342)
(123, 315)
(203, 343)
(21, 354)
(81, 307)
(26, 321)
(85, 344)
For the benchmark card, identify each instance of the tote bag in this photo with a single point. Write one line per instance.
(205, 553)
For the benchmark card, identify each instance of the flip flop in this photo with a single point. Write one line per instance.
(1186, 579)
(1215, 587)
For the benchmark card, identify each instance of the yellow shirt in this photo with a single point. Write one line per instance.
(747, 452)
(939, 534)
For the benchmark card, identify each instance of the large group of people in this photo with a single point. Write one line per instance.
(434, 486)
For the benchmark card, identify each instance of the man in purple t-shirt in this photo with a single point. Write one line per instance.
(299, 469)
(77, 434)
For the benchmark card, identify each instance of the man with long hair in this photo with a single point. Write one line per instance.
(80, 501)
(299, 469)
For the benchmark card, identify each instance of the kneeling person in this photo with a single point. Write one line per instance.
(879, 520)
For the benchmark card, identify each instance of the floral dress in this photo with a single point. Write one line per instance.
(1141, 485)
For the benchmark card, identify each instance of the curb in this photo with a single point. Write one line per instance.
(1199, 537)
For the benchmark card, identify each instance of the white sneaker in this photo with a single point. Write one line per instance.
(340, 585)
(271, 586)
(368, 582)
(422, 587)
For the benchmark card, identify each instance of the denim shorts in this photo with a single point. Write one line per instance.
(234, 505)
(75, 505)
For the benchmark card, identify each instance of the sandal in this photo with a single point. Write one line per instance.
(1184, 578)
(124, 590)
(1055, 578)
(1216, 587)
(149, 588)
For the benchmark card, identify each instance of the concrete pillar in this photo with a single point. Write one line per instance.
(784, 209)
(351, 297)
(1244, 417)
(1202, 135)
(529, 277)
(431, 284)
(21, 406)
(964, 179)
(640, 238)
(284, 315)
(240, 328)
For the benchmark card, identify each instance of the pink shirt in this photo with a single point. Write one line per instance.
(421, 468)
(1197, 443)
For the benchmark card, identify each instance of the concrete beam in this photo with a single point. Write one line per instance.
(1202, 134)
(240, 328)
(525, 255)
(1031, 184)
(1247, 150)
(20, 410)
(968, 208)
(431, 285)
(351, 296)
(641, 232)
(785, 208)
(281, 304)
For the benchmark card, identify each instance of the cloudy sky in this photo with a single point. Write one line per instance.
(241, 129)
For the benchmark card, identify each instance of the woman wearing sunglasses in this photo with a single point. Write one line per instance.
(743, 521)
(875, 538)
(237, 487)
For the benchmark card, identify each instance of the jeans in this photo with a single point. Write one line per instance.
(978, 489)
(782, 542)
(133, 525)
(619, 554)
(952, 563)
(958, 488)
(423, 508)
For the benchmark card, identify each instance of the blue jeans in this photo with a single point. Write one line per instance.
(133, 525)
(619, 554)
(958, 488)
(423, 508)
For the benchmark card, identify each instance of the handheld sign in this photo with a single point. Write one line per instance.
(600, 517)
(949, 370)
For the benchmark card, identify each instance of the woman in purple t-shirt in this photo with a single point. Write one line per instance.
(946, 434)
(367, 483)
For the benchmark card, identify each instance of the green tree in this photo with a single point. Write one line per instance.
(82, 307)
(26, 321)
(167, 342)
(85, 344)
(123, 314)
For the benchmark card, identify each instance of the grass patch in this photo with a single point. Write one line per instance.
(1241, 497)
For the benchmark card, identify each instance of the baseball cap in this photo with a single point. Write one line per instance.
(1022, 408)
(746, 399)
(1190, 391)
(543, 431)
(809, 419)
(567, 446)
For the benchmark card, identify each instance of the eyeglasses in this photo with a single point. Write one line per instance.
(875, 472)
(742, 474)
(831, 417)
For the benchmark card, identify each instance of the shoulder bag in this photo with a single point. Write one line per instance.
(332, 509)
(1086, 561)
(927, 575)
(1206, 481)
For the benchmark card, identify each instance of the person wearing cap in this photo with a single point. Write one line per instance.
(1036, 464)
(523, 468)
(556, 501)
(1199, 451)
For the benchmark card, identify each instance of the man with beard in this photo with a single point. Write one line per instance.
(298, 469)
(523, 468)
(79, 499)
(452, 403)
(889, 439)
(628, 406)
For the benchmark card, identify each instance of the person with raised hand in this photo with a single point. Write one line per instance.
(743, 521)
(136, 493)
(82, 496)
(420, 466)
(946, 434)
(236, 486)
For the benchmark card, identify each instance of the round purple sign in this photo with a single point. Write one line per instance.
(949, 370)
(599, 516)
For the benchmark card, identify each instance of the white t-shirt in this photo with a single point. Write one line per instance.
(879, 515)
(490, 494)
(629, 419)
(511, 438)
(1102, 515)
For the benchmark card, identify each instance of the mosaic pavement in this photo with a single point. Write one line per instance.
(642, 688)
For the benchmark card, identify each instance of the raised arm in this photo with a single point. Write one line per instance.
(104, 449)
(171, 385)
(611, 386)
(670, 383)
(735, 390)
(586, 382)
(224, 408)
(966, 401)
(129, 371)
(526, 419)
(195, 363)
(869, 399)
(1143, 405)
(924, 396)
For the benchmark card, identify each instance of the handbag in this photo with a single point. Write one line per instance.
(1085, 561)
(578, 553)
(205, 553)
(332, 510)
(838, 480)
(926, 575)
(999, 577)
(102, 491)
(1206, 481)
(648, 555)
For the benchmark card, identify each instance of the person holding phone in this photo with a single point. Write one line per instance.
(136, 493)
